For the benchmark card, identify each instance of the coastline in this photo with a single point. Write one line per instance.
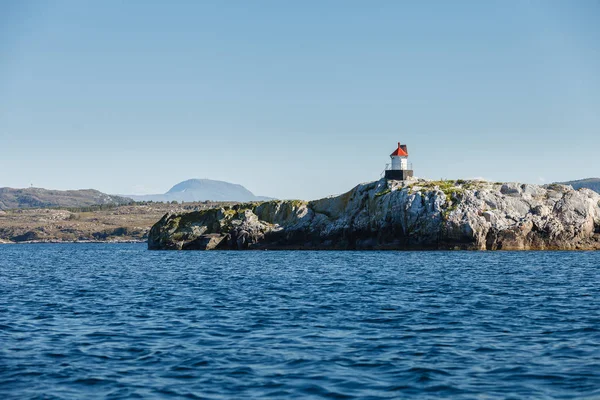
(75, 241)
(88, 224)
(323, 249)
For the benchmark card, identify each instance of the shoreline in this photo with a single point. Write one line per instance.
(404, 249)
(75, 241)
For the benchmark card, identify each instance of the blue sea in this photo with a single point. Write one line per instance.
(118, 321)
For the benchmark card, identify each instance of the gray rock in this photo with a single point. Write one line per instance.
(384, 214)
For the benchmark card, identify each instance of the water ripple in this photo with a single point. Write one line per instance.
(119, 322)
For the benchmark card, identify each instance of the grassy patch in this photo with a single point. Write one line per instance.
(383, 192)
(449, 188)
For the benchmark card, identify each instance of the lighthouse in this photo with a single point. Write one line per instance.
(399, 169)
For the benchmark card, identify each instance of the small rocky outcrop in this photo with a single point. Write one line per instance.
(420, 214)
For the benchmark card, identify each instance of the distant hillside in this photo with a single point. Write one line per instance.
(111, 224)
(203, 190)
(590, 183)
(40, 198)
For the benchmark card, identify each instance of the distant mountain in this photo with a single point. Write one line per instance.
(590, 183)
(202, 190)
(40, 198)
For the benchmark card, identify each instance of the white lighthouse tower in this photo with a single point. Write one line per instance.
(399, 169)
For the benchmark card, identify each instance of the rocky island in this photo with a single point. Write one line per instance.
(390, 214)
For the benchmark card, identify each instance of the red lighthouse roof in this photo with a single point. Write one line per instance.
(401, 151)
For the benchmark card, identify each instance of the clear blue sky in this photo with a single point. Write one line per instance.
(295, 99)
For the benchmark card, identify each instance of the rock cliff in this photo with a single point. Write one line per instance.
(419, 214)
